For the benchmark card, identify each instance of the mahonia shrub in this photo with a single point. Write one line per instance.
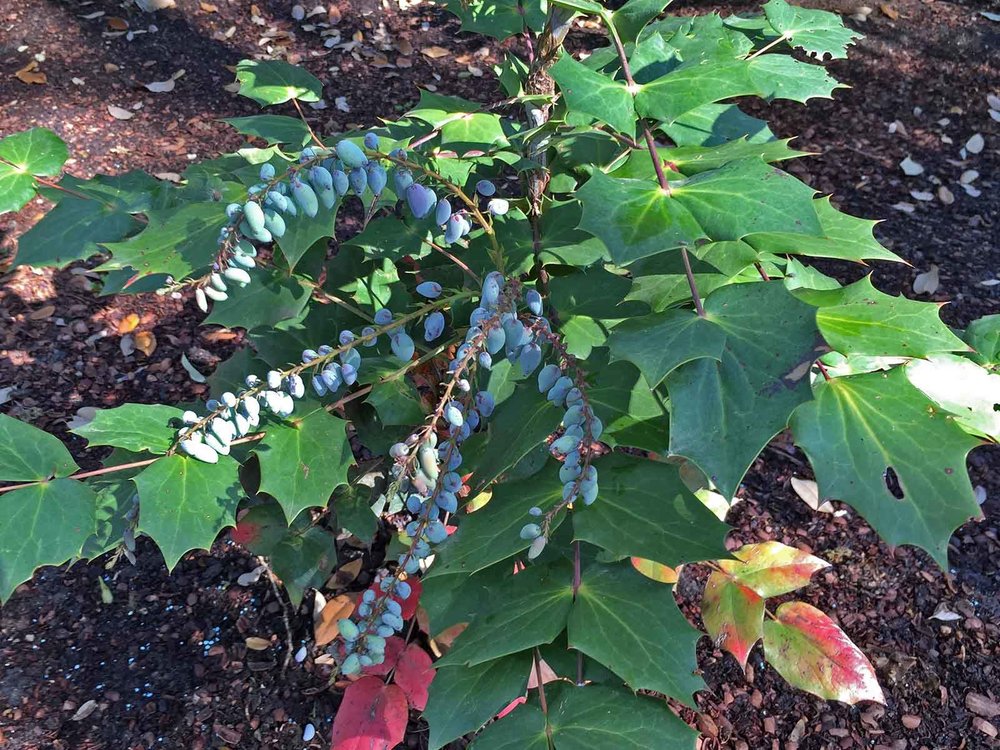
(563, 327)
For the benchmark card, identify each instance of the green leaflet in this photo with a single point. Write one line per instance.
(272, 298)
(725, 412)
(185, 503)
(28, 453)
(272, 128)
(274, 82)
(134, 427)
(304, 460)
(590, 304)
(818, 32)
(859, 428)
(497, 18)
(593, 94)
(32, 152)
(45, 524)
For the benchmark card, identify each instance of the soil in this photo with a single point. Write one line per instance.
(163, 658)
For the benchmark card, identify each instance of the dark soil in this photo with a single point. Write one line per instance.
(166, 661)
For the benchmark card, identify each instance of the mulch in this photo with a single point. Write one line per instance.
(151, 660)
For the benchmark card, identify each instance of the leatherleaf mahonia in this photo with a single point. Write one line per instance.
(528, 375)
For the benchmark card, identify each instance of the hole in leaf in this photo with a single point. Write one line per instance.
(892, 483)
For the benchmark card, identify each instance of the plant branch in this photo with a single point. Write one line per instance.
(302, 116)
(542, 700)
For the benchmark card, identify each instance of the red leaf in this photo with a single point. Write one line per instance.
(733, 615)
(245, 532)
(808, 649)
(372, 716)
(772, 568)
(394, 646)
(414, 674)
(512, 705)
(408, 605)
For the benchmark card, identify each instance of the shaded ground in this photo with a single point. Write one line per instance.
(166, 662)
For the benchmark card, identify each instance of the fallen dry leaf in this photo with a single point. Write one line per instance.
(258, 644)
(346, 573)
(209, 8)
(117, 24)
(30, 74)
(434, 52)
(808, 491)
(42, 313)
(927, 282)
(325, 627)
(945, 195)
(889, 11)
(128, 323)
(120, 114)
(84, 711)
(145, 342)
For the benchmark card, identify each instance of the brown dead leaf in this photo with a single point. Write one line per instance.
(117, 24)
(346, 573)
(443, 640)
(209, 8)
(434, 52)
(325, 627)
(218, 335)
(258, 644)
(31, 75)
(889, 11)
(405, 47)
(120, 114)
(381, 61)
(42, 313)
(145, 342)
(128, 323)
(404, 62)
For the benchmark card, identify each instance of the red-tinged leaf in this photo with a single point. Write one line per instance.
(409, 604)
(809, 650)
(394, 646)
(654, 570)
(772, 568)
(414, 674)
(245, 532)
(512, 705)
(372, 716)
(733, 615)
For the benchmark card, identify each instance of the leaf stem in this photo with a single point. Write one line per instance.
(302, 116)
(773, 43)
(542, 700)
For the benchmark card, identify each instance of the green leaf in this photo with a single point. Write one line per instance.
(861, 427)
(524, 422)
(808, 649)
(843, 236)
(352, 507)
(392, 238)
(397, 402)
(16, 188)
(633, 413)
(304, 560)
(961, 387)
(302, 232)
(438, 109)
(72, 231)
(490, 534)
(273, 82)
(497, 18)
(28, 454)
(635, 218)
(748, 196)
(818, 32)
(716, 124)
(983, 335)
(784, 77)
(590, 304)
(479, 131)
(37, 151)
(272, 128)
(724, 413)
(644, 510)
(630, 19)
(859, 319)
(185, 503)
(134, 427)
(45, 524)
(529, 610)
(632, 626)
(271, 298)
(562, 242)
(303, 461)
(591, 93)
(733, 615)
(176, 241)
(522, 729)
(462, 699)
(661, 342)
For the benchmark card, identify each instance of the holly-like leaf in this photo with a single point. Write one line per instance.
(645, 510)
(983, 335)
(818, 32)
(490, 534)
(590, 93)
(590, 304)
(302, 462)
(134, 427)
(371, 716)
(414, 674)
(634, 414)
(273, 297)
(859, 319)
(28, 454)
(635, 218)
(715, 124)
(185, 503)
(462, 699)
(866, 433)
(630, 19)
(772, 568)
(176, 241)
(44, 524)
(303, 232)
(632, 626)
(748, 196)
(961, 387)
(272, 128)
(496, 18)
(661, 342)
(521, 729)
(808, 649)
(260, 528)
(274, 82)
(733, 615)
(303, 558)
(724, 413)
(38, 152)
(529, 610)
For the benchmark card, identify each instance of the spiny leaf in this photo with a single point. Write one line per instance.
(593, 94)
(818, 32)
(961, 387)
(29, 454)
(808, 649)
(864, 432)
(134, 427)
